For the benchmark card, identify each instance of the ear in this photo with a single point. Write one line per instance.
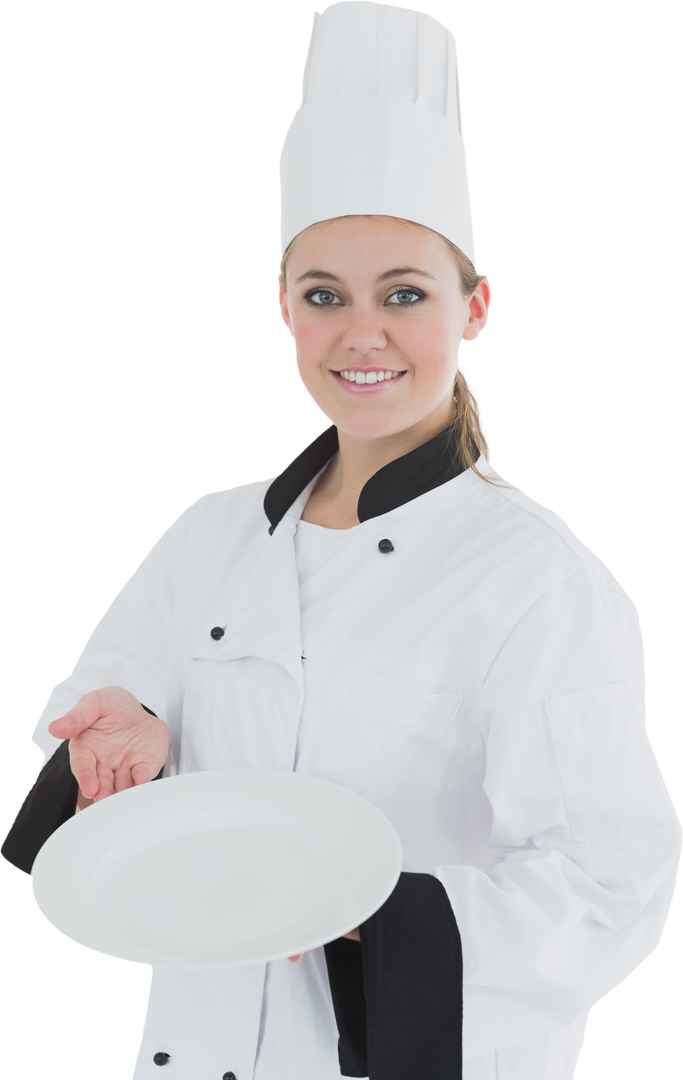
(283, 309)
(479, 313)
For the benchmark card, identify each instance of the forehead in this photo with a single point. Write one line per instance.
(367, 243)
(366, 222)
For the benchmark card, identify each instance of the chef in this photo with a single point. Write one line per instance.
(391, 615)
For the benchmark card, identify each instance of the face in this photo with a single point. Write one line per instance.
(376, 310)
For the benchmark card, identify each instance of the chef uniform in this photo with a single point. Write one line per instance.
(458, 658)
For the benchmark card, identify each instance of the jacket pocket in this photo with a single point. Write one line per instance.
(611, 782)
(400, 701)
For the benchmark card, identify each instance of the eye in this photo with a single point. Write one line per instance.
(400, 289)
(324, 292)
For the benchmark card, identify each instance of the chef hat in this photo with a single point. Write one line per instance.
(378, 131)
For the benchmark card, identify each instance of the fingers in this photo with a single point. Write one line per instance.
(82, 802)
(354, 935)
(141, 774)
(108, 782)
(97, 781)
(298, 956)
(84, 767)
(89, 787)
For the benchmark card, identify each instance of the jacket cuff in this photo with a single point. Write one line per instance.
(398, 998)
(50, 802)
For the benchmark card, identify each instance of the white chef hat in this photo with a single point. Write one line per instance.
(378, 131)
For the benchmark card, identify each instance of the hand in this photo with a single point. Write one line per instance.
(353, 934)
(114, 744)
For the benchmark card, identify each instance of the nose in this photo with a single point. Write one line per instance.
(363, 334)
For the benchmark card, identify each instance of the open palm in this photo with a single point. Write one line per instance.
(113, 743)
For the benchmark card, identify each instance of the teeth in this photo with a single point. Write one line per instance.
(361, 377)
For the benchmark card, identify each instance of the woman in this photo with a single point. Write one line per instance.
(427, 635)
(390, 615)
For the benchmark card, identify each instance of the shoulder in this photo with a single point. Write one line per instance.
(237, 507)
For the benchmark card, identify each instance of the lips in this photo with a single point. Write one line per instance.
(376, 386)
(367, 370)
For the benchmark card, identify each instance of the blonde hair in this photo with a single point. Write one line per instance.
(465, 428)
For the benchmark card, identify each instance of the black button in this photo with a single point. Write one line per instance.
(229, 1076)
(271, 530)
(385, 546)
(217, 633)
(161, 1059)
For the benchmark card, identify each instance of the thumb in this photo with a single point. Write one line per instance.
(73, 722)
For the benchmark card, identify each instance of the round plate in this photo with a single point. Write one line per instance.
(219, 869)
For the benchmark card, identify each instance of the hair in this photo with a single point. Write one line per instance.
(465, 427)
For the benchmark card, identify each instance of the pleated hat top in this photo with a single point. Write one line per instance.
(379, 129)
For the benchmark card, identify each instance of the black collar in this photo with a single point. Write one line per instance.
(394, 484)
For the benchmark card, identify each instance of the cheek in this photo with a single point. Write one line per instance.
(314, 341)
(430, 347)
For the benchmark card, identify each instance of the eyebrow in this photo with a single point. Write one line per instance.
(398, 271)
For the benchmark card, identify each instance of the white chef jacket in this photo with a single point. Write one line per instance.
(481, 683)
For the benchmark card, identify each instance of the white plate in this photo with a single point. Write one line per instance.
(219, 869)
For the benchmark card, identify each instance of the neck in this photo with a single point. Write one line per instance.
(358, 459)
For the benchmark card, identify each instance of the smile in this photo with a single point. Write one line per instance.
(369, 388)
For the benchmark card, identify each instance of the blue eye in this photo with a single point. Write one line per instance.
(398, 292)
(323, 291)
(400, 289)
